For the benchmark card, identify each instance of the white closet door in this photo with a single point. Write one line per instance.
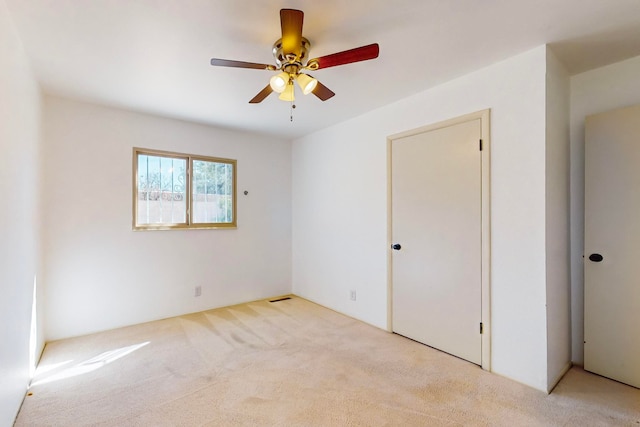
(436, 219)
(612, 245)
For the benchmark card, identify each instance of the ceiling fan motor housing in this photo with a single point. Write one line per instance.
(283, 59)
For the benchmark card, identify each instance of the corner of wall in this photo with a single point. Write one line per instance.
(20, 143)
(557, 230)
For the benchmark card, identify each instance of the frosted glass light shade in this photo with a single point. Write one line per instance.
(287, 94)
(306, 83)
(279, 82)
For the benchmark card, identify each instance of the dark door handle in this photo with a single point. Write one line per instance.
(596, 257)
(396, 246)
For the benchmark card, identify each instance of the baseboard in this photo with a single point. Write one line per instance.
(341, 313)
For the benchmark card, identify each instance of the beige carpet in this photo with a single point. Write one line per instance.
(293, 363)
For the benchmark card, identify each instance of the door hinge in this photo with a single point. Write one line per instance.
(480, 145)
(481, 328)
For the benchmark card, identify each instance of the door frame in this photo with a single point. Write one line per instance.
(485, 280)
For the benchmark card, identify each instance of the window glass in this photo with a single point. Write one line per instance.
(161, 190)
(212, 192)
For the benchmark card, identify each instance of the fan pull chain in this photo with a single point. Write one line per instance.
(293, 106)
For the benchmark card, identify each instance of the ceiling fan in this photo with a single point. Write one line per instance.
(291, 53)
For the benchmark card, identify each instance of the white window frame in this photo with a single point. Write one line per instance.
(188, 224)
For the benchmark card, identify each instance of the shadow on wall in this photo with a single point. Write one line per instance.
(613, 46)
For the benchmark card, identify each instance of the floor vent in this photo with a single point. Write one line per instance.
(280, 299)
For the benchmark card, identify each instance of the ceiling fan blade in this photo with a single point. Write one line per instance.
(357, 54)
(291, 23)
(322, 92)
(240, 64)
(262, 95)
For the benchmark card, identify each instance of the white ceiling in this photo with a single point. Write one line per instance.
(153, 55)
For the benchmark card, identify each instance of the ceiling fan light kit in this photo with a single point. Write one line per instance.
(306, 83)
(291, 53)
(279, 82)
(288, 93)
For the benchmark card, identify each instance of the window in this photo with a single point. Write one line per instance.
(172, 190)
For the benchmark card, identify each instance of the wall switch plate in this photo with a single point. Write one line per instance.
(352, 295)
(198, 291)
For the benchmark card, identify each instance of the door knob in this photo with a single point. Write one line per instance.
(596, 257)
(396, 246)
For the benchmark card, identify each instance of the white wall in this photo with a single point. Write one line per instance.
(100, 274)
(592, 92)
(340, 205)
(558, 285)
(19, 242)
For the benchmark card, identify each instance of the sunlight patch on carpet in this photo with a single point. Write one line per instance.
(87, 366)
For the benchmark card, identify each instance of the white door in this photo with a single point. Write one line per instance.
(612, 245)
(436, 220)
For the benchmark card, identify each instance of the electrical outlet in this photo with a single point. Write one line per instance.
(352, 295)
(198, 291)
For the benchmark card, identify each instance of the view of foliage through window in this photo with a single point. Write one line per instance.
(212, 191)
(162, 185)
